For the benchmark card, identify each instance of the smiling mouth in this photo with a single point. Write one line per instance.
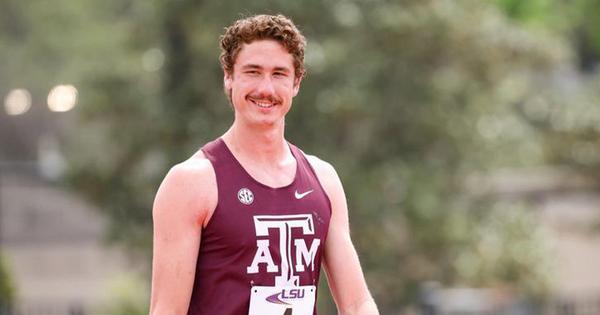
(263, 103)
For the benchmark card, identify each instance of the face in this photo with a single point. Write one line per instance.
(262, 84)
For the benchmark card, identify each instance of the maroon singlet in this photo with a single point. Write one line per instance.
(250, 216)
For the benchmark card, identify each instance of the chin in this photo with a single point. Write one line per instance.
(266, 122)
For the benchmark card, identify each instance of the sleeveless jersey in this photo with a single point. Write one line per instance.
(258, 236)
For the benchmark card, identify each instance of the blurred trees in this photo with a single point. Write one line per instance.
(128, 296)
(566, 113)
(407, 99)
(576, 20)
(7, 289)
(425, 99)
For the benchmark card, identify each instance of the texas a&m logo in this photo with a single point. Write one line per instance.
(305, 257)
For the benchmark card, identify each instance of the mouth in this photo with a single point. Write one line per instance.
(263, 103)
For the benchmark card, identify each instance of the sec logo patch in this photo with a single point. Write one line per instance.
(245, 196)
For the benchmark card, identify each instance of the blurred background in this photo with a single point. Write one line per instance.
(465, 133)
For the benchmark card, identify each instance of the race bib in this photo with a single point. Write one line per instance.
(282, 300)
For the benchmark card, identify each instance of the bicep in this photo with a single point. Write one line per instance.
(177, 219)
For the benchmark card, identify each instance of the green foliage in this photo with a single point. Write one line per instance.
(398, 97)
(567, 115)
(517, 255)
(576, 20)
(127, 296)
(533, 11)
(7, 288)
(406, 98)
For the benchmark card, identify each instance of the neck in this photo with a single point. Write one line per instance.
(266, 145)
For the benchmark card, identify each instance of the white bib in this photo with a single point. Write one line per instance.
(282, 300)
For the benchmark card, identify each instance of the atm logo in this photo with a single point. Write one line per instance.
(288, 270)
(290, 294)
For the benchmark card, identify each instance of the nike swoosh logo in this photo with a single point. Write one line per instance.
(302, 195)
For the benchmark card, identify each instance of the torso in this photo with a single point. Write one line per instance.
(241, 245)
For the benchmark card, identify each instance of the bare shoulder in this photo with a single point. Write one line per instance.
(193, 175)
(197, 168)
(325, 172)
(320, 166)
(332, 185)
(189, 187)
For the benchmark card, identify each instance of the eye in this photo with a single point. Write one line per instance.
(251, 72)
(280, 74)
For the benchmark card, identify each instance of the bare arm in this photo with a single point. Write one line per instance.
(344, 274)
(182, 206)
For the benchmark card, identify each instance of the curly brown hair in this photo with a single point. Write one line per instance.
(259, 27)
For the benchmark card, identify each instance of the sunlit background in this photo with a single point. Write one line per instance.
(465, 133)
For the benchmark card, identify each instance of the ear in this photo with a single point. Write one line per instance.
(227, 78)
(297, 84)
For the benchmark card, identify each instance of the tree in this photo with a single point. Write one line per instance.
(7, 289)
(405, 98)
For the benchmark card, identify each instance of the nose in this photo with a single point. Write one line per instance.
(266, 87)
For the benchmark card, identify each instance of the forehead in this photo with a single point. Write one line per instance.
(266, 54)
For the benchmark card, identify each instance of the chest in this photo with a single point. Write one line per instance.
(248, 213)
(274, 235)
(276, 174)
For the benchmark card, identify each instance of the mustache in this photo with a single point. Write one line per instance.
(260, 97)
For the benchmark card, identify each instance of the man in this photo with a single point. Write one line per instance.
(243, 226)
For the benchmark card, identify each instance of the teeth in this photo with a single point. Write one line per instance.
(263, 105)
